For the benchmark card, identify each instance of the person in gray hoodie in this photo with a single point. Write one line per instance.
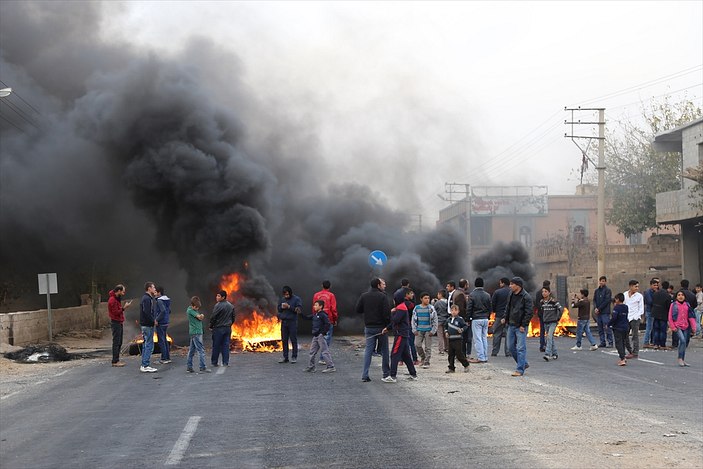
(551, 311)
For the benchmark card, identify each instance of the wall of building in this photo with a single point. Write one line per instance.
(28, 327)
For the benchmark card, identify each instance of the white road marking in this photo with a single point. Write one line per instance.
(220, 370)
(638, 359)
(181, 445)
(9, 395)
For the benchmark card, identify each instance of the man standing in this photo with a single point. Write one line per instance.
(648, 295)
(163, 314)
(116, 312)
(147, 322)
(499, 303)
(456, 297)
(478, 310)
(221, 325)
(289, 307)
(538, 298)
(330, 307)
(376, 308)
(519, 314)
(399, 295)
(635, 308)
(468, 333)
(442, 310)
(602, 298)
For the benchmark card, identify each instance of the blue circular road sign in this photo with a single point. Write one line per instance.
(378, 259)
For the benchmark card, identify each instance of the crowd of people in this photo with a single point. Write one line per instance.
(457, 317)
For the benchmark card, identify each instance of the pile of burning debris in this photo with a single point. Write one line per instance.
(42, 354)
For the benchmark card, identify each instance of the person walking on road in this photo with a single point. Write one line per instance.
(455, 331)
(147, 322)
(115, 309)
(551, 312)
(584, 319)
(289, 308)
(424, 326)
(375, 306)
(661, 302)
(602, 299)
(330, 307)
(682, 321)
(195, 331)
(401, 352)
(621, 326)
(221, 322)
(635, 311)
(478, 309)
(163, 315)
(519, 314)
(499, 303)
(320, 326)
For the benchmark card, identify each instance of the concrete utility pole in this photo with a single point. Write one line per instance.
(601, 173)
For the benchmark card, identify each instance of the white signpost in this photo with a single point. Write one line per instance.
(47, 286)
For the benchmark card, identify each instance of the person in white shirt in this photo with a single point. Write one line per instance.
(635, 305)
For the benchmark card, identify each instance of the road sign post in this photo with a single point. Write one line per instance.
(48, 285)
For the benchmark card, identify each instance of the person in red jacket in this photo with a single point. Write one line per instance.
(115, 310)
(330, 307)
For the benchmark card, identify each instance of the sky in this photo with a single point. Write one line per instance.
(428, 93)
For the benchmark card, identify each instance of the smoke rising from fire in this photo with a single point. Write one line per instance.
(505, 260)
(169, 168)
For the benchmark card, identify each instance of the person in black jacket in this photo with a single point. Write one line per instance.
(478, 309)
(221, 326)
(289, 307)
(499, 302)
(320, 326)
(375, 305)
(401, 351)
(518, 320)
(661, 302)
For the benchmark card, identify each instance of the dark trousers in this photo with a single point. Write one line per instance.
(220, 345)
(674, 339)
(413, 349)
(401, 351)
(620, 338)
(542, 340)
(116, 340)
(659, 332)
(499, 331)
(456, 350)
(289, 331)
(164, 346)
(605, 333)
(466, 339)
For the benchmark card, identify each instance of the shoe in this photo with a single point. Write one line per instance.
(466, 369)
(389, 379)
(294, 360)
(449, 371)
(622, 363)
(310, 369)
(542, 349)
(329, 369)
(322, 362)
(508, 355)
(118, 364)
(555, 357)
(205, 370)
(630, 355)
(593, 347)
(416, 362)
(425, 366)
(190, 370)
(284, 360)
(214, 365)
(365, 380)
(681, 363)
(609, 346)
(474, 360)
(601, 345)
(441, 352)
(164, 362)
(494, 354)
(576, 347)
(527, 365)
(648, 346)
(516, 373)
(375, 354)
(546, 358)
(412, 378)
(147, 369)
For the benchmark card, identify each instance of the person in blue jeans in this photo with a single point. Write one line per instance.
(147, 322)
(519, 314)
(375, 306)
(602, 299)
(195, 330)
(221, 325)
(583, 305)
(649, 324)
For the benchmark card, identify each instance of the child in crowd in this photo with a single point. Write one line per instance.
(455, 328)
(400, 320)
(584, 318)
(442, 310)
(551, 313)
(620, 325)
(682, 321)
(195, 330)
(320, 327)
(424, 326)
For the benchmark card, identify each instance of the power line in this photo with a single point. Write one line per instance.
(11, 123)
(17, 111)
(15, 93)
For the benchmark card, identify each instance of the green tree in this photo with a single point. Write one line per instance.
(635, 172)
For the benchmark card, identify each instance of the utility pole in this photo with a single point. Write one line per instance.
(600, 166)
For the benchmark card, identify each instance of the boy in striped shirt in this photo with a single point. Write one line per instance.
(424, 326)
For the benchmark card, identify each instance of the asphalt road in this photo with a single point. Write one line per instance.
(258, 413)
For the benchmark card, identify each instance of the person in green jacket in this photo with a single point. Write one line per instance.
(195, 329)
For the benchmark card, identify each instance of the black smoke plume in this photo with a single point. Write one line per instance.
(143, 166)
(505, 260)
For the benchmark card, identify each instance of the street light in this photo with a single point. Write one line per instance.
(5, 92)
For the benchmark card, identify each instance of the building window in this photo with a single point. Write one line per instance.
(579, 235)
(481, 232)
(526, 236)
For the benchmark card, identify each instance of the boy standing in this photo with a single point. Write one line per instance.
(424, 326)
(455, 330)
(401, 351)
(195, 329)
(620, 326)
(320, 327)
(551, 313)
(584, 317)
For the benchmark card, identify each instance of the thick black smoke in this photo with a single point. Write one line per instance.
(145, 167)
(505, 260)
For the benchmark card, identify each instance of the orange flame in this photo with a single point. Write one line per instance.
(140, 339)
(258, 333)
(561, 329)
(230, 283)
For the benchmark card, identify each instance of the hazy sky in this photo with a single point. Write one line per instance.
(418, 94)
